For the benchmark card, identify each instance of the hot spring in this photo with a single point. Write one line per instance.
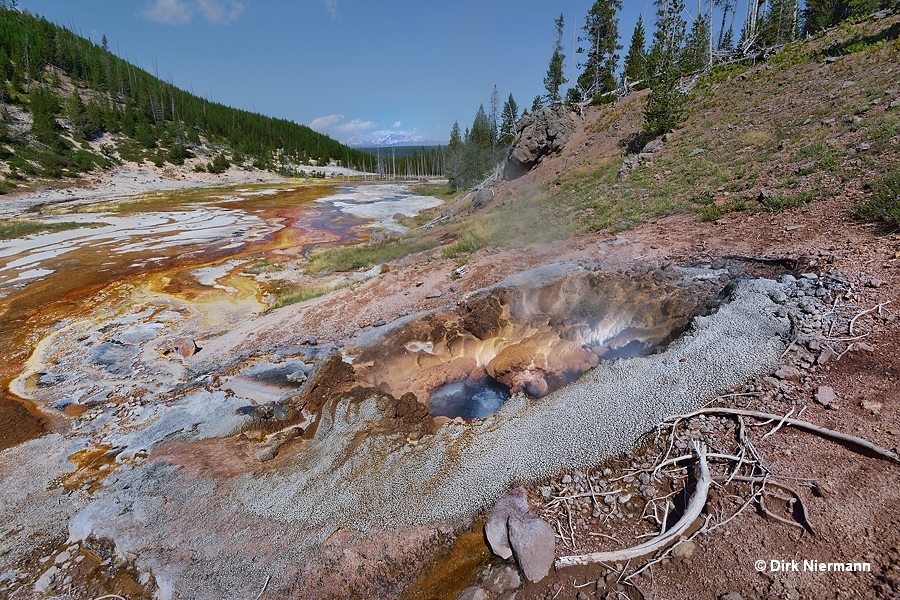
(530, 336)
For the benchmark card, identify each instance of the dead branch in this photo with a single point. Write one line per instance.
(804, 425)
(877, 307)
(780, 424)
(665, 538)
(767, 481)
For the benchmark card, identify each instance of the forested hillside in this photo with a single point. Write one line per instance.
(683, 41)
(60, 91)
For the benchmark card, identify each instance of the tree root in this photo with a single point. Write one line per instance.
(804, 425)
(665, 538)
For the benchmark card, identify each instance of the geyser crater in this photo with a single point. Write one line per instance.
(531, 336)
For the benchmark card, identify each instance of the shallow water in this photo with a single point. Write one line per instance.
(468, 399)
(188, 245)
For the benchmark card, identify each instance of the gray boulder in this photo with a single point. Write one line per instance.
(538, 135)
(513, 502)
(534, 545)
(483, 197)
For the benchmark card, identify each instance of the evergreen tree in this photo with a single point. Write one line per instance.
(726, 41)
(635, 68)
(509, 118)
(601, 34)
(555, 78)
(696, 51)
(78, 116)
(663, 111)
(574, 96)
(45, 105)
(821, 14)
(537, 104)
(480, 133)
(454, 157)
(779, 23)
(494, 117)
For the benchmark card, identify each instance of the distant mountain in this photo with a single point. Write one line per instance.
(393, 140)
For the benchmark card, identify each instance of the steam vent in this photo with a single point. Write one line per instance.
(528, 336)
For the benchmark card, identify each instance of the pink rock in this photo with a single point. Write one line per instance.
(788, 373)
(872, 406)
(186, 347)
(825, 396)
(495, 528)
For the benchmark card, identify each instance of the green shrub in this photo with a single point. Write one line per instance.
(884, 204)
(466, 244)
(779, 202)
(218, 165)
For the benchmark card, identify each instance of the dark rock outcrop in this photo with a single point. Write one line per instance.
(538, 135)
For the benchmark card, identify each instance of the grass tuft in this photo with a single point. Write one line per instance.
(14, 229)
(294, 294)
(350, 258)
(884, 204)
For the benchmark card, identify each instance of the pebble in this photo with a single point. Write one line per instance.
(872, 406)
(826, 396)
(684, 550)
(46, 580)
(823, 490)
(788, 373)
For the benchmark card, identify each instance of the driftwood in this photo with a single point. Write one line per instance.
(805, 425)
(665, 538)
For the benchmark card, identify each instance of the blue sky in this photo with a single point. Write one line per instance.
(357, 70)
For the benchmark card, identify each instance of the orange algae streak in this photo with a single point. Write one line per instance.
(92, 465)
(83, 277)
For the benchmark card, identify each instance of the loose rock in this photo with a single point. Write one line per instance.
(534, 545)
(825, 396)
(514, 502)
(788, 373)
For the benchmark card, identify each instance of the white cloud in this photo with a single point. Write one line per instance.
(221, 11)
(358, 132)
(336, 126)
(331, 6)
(170, 12)
(181, 12)
(322, 123)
